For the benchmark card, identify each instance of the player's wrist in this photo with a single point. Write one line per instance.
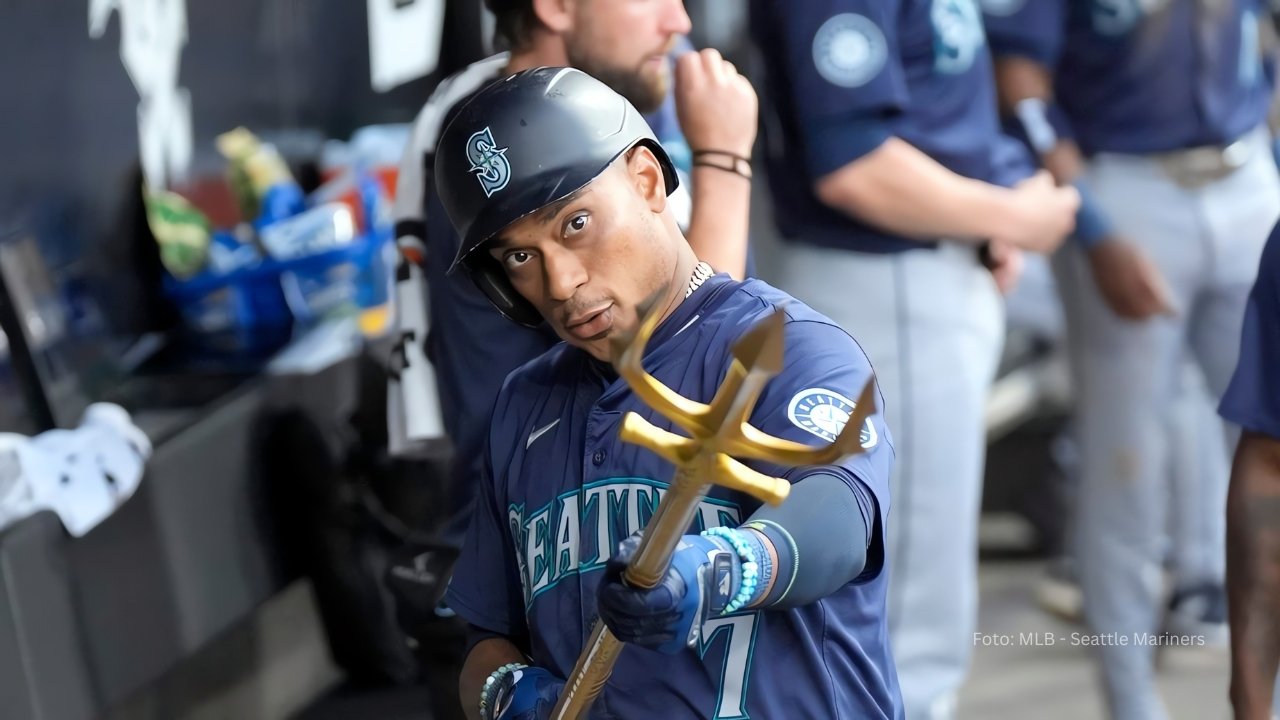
(768, 565)
(735, 571)
(986, 211)
(1032, 114)
(1092, 224)
(772, 551)
(783, 558)
(497, 688)
(723, 160)
(517, 691)
(740, 147)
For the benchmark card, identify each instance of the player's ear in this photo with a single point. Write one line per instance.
(556, 15)
(645, 173)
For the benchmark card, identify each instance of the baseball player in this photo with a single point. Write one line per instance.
(888, 172)
(1156, 112)
(1252, 401)
(560, 194)
(1196, 449)
(709, 109)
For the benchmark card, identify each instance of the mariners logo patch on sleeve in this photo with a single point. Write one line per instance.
(849, 50)
(824, 413)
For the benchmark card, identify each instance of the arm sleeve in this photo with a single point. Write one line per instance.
(485, 589)
(1252, 400)
(1026, 28)
(823, 375)
(820, 535)
(847, 83)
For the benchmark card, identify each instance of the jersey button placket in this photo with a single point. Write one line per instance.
(590, 471)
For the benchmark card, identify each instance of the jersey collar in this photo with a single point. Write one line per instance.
(670, 334)
(691, 311)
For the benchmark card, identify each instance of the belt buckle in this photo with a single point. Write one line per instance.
(1196, 167)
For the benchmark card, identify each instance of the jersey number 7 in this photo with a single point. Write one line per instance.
(740, 641)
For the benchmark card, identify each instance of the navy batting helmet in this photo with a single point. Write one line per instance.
(521, 144)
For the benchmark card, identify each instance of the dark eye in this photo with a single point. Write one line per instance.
(576, 224)
(515, 259)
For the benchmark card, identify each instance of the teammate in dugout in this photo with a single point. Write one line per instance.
(1252, 401)
(559, 192)
(1157, 113)
(888, 173)
(703, 113)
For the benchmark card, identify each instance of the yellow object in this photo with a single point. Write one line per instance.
(252, 168)
(181, 231)
(375, 322)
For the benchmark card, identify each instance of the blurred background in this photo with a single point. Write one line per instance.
(243, 571)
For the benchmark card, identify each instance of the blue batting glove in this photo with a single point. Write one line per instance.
(704, 576)
(530, 694)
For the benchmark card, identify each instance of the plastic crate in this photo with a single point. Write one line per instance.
(271, 294)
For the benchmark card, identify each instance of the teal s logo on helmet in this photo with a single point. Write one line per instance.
(488, 162)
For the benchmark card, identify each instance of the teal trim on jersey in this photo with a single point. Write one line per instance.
(726, 520)
(542, 527)
(728, 630)
(541, 523)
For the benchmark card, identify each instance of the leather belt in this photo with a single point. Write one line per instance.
(1198, 166)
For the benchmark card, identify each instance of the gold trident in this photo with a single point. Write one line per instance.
(717, 432)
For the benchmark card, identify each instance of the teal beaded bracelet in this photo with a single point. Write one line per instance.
(750, 569)
(492, 685)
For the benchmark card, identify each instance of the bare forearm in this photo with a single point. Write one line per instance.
(718, 227)
(902, 190)
(1019, 79)
(487, 656)
(1253, 575)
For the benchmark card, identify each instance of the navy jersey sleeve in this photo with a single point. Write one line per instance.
(1026, 28)
(485, 588)
(1011, 161)
(1252, 399)
(810, 400)
(846, 78)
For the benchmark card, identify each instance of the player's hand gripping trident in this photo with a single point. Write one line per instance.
(718, 433)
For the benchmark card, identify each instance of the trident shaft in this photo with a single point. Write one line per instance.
(718, 433)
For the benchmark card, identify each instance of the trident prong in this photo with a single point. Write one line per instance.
(718, 431)
(762, 446)
(628, 356)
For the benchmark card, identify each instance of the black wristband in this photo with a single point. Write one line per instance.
(737, 164)
(722, 153)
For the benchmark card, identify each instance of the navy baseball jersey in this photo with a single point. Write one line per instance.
(565, 490)
(848, 74)
(471, 346)
(1252, 400)
(1139, 78)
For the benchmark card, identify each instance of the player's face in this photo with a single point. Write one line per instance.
(589, 261)
(624, 44)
